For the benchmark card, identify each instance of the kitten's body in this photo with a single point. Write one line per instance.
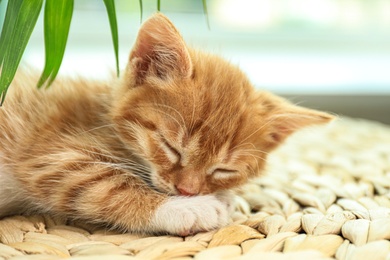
(152, 152)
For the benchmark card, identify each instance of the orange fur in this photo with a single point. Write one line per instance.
(179, 123)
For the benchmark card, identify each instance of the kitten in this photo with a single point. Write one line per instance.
(153, 152)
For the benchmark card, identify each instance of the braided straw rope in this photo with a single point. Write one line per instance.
(326, 195)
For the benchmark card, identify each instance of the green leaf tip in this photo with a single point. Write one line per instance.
(141, 10)
(206, 13)
(2, 97)
(110, 7)
(19, 22)
(57, 18)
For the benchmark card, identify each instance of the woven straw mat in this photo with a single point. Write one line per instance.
(325, 195)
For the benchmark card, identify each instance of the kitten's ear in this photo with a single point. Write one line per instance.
(159, 51)
(289, 118)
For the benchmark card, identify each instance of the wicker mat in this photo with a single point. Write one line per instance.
(326, 195)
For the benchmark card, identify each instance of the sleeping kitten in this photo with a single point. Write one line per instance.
(153, 152)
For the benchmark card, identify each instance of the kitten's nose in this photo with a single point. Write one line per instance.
(185, 192)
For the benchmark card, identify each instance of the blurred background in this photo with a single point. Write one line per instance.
(332, 55)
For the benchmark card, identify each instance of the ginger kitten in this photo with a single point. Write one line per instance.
(153, 152)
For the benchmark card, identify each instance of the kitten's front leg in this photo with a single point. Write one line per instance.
(137, 207)
(140, 208)
(81, 188)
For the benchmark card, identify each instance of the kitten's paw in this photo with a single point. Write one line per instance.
(187, 215)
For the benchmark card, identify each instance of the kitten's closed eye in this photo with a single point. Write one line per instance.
(172, 153)
(223, 173)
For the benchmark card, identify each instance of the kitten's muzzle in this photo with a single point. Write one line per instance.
(186, 191)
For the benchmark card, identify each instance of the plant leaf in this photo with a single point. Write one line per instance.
(206, 13)
(58, 14)
(19, 22)
(141, 9)
(110, 6)
(9, 21)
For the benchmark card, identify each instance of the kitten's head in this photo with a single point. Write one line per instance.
(195, 118)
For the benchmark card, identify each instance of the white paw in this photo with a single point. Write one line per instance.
(187, 215)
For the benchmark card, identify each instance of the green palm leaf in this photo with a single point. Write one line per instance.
(206, 13)
(58, 14)
(110, 6)
(140, 9)
(19, 22)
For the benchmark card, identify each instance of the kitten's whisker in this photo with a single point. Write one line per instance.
(95, 128)
(175, 110)
(244, 152)
(251, 168)
(257, 130)
(116, 158)
(242, 144)
(254, 156)
(254, 151)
